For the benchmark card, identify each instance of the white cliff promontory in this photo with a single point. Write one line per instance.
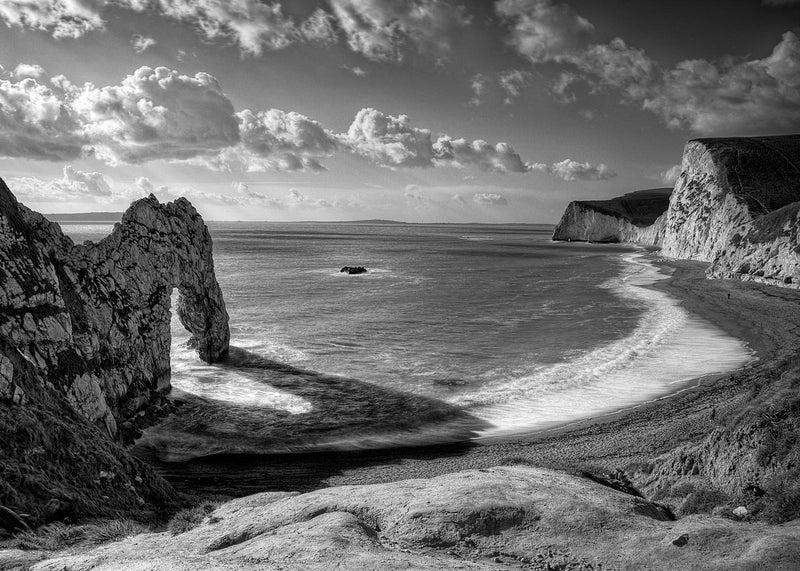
(734, 205)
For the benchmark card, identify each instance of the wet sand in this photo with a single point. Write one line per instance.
(766, 318)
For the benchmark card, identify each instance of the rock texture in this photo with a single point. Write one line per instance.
(84, 346)
(500, 518)
(629, 218)
(736, 205)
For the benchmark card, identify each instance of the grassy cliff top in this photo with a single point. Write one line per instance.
(763, 171)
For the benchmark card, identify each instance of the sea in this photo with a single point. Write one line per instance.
(456, 332)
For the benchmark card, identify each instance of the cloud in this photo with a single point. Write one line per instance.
(490, 199)
(61, 18)
(73, 185)
(571, 170)
(298, 199)
(356, 70)
(383, 30)
(24, 70)
(251, 24)
(462, 153)
(478, 83)
(542, 31)
(36, 123)
(670, 175)
(275, 140)
(758, 95)
(389, 141)
(142, 43)
(319, 28)
(156, 114)
(512, 81)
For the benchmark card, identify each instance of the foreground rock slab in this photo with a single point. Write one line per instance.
(506, 517)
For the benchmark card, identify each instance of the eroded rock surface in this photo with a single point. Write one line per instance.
(85, 342)
(500, 518)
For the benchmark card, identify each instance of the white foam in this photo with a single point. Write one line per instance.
(668, 347)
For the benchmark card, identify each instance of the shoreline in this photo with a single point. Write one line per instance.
(766, 319)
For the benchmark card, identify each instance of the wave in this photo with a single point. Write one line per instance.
(668, 347)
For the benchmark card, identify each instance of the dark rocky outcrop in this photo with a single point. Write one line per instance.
(84, 347)
(353, 270)
(736, 205)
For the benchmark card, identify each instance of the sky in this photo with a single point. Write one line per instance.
(494, 111)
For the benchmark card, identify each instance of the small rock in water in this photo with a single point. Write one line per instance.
(354, 270)
(681, 541)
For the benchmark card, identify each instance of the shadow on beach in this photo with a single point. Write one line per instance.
(213, 446)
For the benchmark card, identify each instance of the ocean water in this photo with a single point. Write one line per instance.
(456, 332)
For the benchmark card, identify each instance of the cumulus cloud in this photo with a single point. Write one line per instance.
(543, 31)
(707, 97)
(36, 123)
(142, 43)
(356, 70)
(73, 185)
(275, 140)
(745, 96)
(489, 198)
(571, 170)
(462, 153)
(24, 70)
(382, 30)
(389, 141)
(670, 175)
(156, 114)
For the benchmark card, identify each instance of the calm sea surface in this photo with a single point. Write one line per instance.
(455, 332)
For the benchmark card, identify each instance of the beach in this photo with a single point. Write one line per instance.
(766, 318)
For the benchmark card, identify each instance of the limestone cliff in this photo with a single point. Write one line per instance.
(84, 346)
(736, 205)
(629, 218)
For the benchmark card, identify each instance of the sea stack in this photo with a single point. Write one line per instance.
(85, 346)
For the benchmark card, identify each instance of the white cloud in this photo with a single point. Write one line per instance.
(543, 31)
(670, 175)
(251, 24)
(758, 95)
(319, 28)
(490, 199)
(478, 83)
(24, 70)
(142, 43)
(389, 141)
(298, 199)
(462, 153)
(36, 123)
(383, 30)
(61, 18)
(571, 170)
(74, 185)
(512, 81)
(156, 114)
(275, 140)
(356, 70)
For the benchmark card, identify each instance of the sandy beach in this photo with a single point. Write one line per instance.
(766, 318)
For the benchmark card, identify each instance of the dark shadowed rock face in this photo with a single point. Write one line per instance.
(85, 341)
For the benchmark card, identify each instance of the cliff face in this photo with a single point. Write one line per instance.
(735, 204)
(85, 341)
(629, 218)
